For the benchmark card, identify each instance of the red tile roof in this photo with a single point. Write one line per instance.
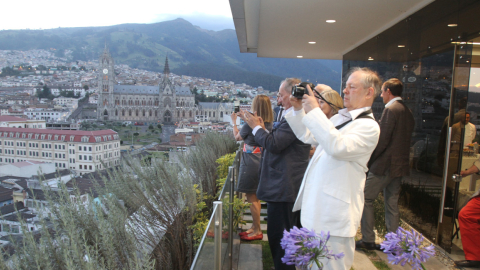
(8, 118)
(104, 135)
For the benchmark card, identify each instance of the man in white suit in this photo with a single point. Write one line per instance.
(331, 194)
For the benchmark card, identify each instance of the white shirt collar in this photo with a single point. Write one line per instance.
(354, 113)
(392, 100)
(286, 111)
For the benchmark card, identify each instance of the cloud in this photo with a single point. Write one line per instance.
(35, 14)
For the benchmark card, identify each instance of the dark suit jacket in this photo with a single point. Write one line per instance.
(393, 150)
(284, 161)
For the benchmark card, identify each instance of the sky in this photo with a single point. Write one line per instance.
(46, 14)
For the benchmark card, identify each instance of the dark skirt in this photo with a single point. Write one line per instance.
(248, 173)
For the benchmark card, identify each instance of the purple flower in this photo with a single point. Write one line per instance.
(405, 246)
(304, 247)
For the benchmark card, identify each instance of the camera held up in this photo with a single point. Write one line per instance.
(299, 90)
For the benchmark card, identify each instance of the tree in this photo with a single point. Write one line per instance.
(242, 94)
(85, 98)
(136, 134)
(85, 125)
(150, 127)
(45, 93)
(86, 87)
(8, 71)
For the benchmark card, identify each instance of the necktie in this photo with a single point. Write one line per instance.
(279, 116)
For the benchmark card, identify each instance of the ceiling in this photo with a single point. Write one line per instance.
(283, 28)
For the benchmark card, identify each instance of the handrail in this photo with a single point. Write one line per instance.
(216, 218)
(192, 267)
(230, 215)
(217, 257)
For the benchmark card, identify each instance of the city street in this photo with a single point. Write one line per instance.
(166, 132)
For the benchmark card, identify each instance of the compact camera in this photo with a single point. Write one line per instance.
(236, 105)
(299, 90)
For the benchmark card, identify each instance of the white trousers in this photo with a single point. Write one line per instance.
(336, 245)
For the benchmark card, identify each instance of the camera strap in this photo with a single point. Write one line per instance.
(365, 114)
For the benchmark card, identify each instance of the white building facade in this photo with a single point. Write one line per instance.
(81, 151)
(17, 122)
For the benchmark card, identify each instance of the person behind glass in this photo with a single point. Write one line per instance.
(388, 163)
(331, 195)
(469, 220)
(250, 162)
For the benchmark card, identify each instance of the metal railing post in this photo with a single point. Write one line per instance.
(445, 174)
(217, 257)
(230, 216)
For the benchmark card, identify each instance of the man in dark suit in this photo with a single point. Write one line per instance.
(284, 161)
(388, 163)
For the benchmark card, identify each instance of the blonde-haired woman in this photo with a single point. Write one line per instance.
(330, 102)
(250, 163)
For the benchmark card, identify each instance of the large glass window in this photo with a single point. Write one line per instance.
(430, 52)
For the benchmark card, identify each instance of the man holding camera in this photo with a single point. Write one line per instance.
(283, 165)
(331, 194)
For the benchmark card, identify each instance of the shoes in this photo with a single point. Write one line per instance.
(251, 238)
(212, 235)
(467, 263)
(244, 233)
(366, 245)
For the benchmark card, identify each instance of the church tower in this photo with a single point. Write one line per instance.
(167, 96)
(106, 81)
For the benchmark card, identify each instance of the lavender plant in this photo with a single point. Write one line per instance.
(303, 247)
(405, 246)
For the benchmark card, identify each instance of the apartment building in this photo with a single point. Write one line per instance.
(81, 151)
(66, 101)
(17, 122)
(48, 115)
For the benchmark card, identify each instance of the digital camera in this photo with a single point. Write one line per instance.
(299, 90)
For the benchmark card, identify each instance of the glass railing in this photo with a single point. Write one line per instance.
(216, 246)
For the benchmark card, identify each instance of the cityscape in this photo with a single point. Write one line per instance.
(75, 120)
(118, 149)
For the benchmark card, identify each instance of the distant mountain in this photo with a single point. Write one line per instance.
(191, 51)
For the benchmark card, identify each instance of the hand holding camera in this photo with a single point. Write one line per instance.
(251, 119)
(233, 116)
(304, 93)
(309, 100)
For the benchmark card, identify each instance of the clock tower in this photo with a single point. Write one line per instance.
(106, 80)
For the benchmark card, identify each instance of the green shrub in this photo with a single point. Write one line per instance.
(141, 218)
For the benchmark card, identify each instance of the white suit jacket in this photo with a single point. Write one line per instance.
(331, 195)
